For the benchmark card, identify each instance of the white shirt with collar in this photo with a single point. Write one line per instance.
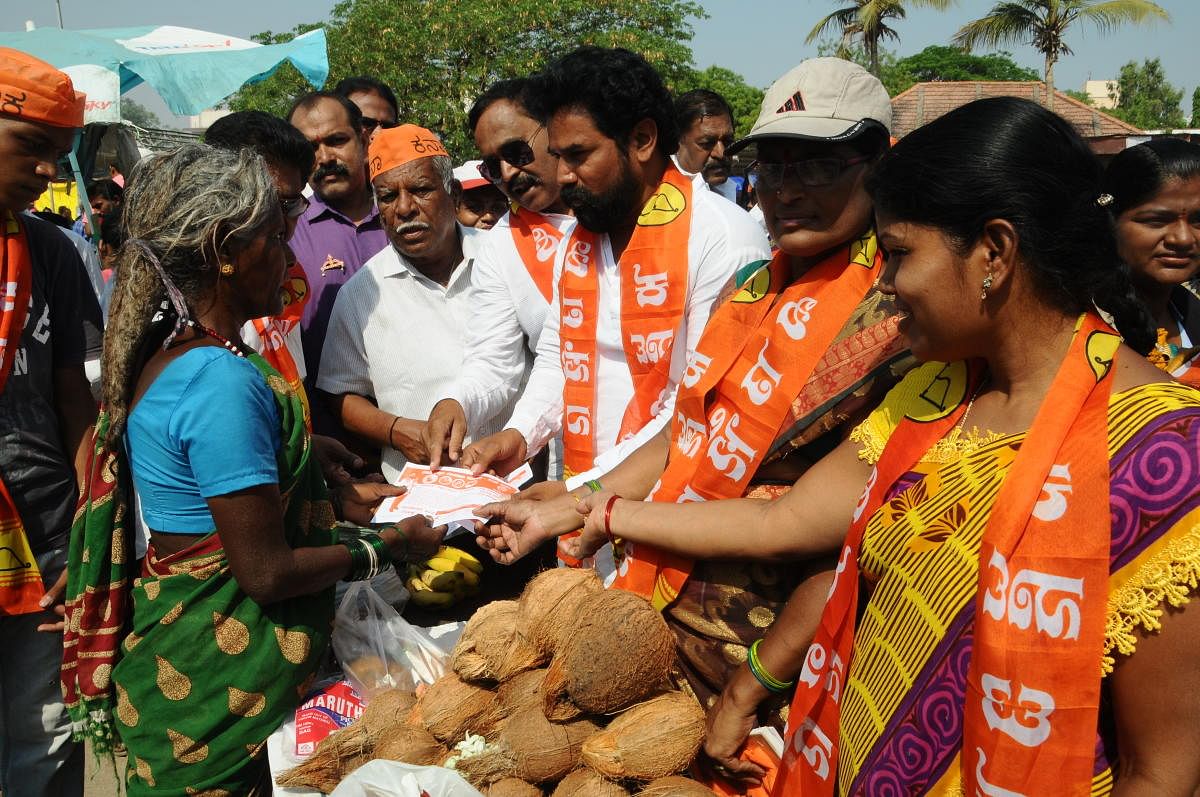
(722, 239)
(727, 189)
(397, 336)
(509, 314)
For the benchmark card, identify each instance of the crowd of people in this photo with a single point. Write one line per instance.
(856, 444)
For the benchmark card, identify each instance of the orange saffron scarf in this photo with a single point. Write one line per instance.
(536, 240)
(654, 287)
(1033, 687)
(273, 332)
(757, 353)
(20, 580)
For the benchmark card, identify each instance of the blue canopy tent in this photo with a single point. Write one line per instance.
(190, 69)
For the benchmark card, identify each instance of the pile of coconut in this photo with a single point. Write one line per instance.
(564, 692)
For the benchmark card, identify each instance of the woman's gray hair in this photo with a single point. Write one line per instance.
(184, 212)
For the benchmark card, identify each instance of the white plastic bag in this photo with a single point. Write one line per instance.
(425, 657)
(393, 779)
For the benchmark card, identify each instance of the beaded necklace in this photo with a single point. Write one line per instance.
(236, 348)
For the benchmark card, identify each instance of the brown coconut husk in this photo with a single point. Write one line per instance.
(335, 757)
(451, 707)
(409, 745)
(386, 708)
(494, 645)
(518, 693)
(587, 783)
(620, 653)
(531, 748)
(652, 740)
(512, 787)
(675, 786)
(550, 602)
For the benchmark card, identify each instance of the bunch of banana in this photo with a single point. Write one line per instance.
(447, 578)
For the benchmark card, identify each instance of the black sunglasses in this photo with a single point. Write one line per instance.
(370, 124)
(514, 153)
(810, 172)
(294, 207)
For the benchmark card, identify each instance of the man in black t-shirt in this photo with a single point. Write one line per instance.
(49, 325)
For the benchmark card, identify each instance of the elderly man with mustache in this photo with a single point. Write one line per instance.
(399, 326)
(341, 230)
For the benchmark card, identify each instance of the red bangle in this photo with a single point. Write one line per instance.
(608, 519)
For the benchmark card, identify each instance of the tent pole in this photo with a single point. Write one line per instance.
(59, 4)
(81, 191)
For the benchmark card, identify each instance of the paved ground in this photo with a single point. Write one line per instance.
(99, 779)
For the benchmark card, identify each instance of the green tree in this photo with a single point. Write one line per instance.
(1195, 123)
(894, 78)
(866, 21)
(437, 57)
(939, 62)
(1144, 97)
(1082, 96)
(1044, 24)
(133, 111)
(741, 96)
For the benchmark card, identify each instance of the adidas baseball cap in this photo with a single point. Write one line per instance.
(821, 99)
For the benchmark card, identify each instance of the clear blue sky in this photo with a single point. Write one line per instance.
(761, 39)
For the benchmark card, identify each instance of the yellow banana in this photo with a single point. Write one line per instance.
(442, 581)
(460, 556)
(443, 565)
(422, 595)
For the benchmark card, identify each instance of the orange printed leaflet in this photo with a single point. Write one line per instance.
(446, 495)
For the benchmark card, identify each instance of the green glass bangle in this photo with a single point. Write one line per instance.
(383, 554)
(358, 559)
(594, 485)
(769, 682)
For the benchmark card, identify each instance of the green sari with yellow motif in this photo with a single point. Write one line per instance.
(175, 662)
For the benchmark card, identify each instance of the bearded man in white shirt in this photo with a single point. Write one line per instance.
(397, 333)
(635, 280)
(513, 275)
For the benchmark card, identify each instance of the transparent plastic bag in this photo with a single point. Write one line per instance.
(365, 642)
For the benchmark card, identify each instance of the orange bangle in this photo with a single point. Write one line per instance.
(608, 508)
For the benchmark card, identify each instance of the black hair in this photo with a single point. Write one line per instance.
(54, 218)
(112, 232)
(105, 189)
(361, 84)
(274, 139)
(1136, 174)
(615, 87)
(515, 90)
(1012, 159)
(696, 104)
(310, 99)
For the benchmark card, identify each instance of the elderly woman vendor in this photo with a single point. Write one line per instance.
(224, 625)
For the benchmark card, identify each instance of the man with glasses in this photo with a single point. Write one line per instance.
(341, 230)
(513, 281)
(376, 101)
(636, 277)
(785, 370)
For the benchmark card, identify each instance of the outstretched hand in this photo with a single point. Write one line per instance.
(514, 529)
(593, 536)
(501, 453)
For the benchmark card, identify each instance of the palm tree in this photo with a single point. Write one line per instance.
(1044, 23)
(868, 20)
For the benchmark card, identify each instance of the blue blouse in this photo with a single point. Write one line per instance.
(208, 425)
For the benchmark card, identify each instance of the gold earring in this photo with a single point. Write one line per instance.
(987, 286)
(226, 269)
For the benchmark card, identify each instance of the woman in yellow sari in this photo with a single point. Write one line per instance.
(1010, 613)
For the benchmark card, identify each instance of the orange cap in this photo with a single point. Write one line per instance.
(32, 90)
(399, 145)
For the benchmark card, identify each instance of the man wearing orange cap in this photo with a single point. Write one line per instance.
(49, 326)
(399, 326)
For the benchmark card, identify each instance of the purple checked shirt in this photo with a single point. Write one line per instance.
(331, 248)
